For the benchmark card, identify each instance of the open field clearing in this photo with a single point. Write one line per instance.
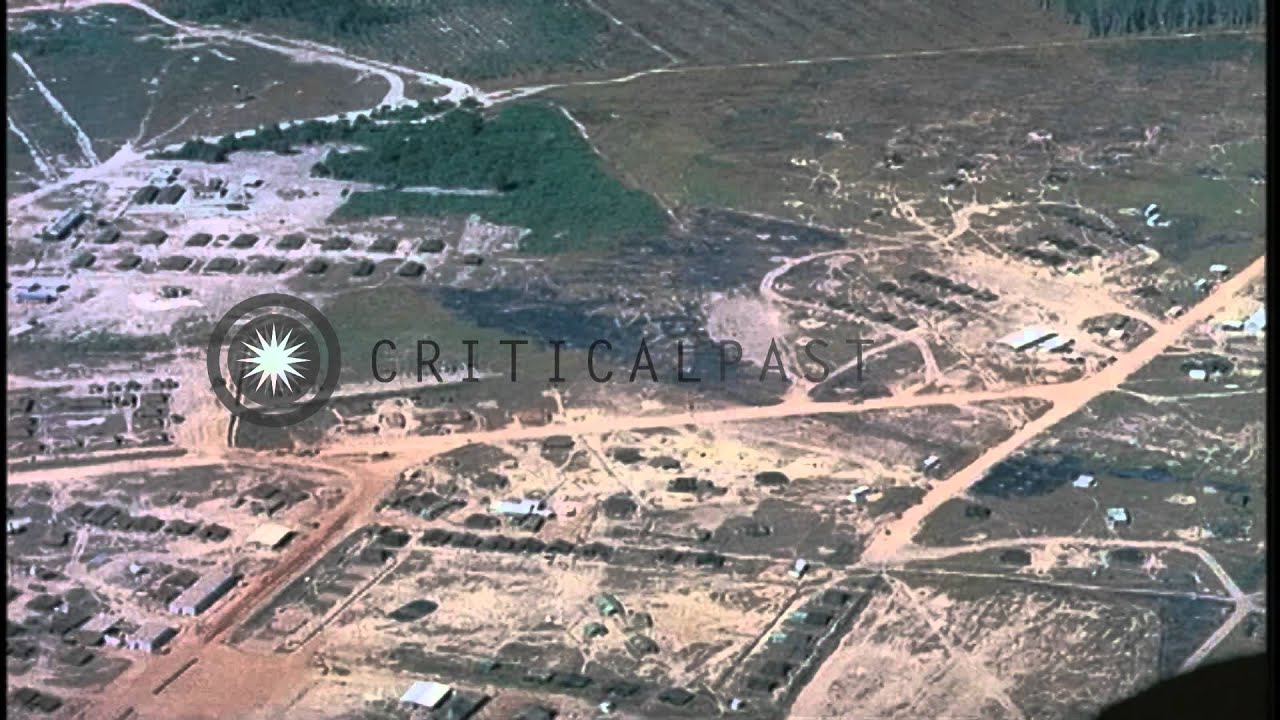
(124, 77)
(523, 39)
(703, 33)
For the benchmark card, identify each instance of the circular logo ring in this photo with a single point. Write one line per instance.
(324, 386)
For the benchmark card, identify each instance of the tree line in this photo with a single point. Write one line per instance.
(335, 17)
(1104, 18)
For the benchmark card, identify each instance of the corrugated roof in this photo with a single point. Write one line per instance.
(426, 694)
(205, 586)
(1025, 337)
(269, 534)
(1054, 343)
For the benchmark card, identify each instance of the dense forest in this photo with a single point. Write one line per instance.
(1119, 17)
(544, 175)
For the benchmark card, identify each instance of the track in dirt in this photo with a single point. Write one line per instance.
(1067, 399)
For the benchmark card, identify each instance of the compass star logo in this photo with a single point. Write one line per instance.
(273, 360)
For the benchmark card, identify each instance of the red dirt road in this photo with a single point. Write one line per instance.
(1067, 399)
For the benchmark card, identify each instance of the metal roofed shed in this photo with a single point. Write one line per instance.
(68, 221)
(426, 694)
(271, 535)
(799, 567)
(151, 637)
(1085, 481)
(207, 590)
(521, 508)
(1056, 343)
(1118, 516)
(1026, 338)
(39, 295)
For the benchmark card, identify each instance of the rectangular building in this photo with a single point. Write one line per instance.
(68, 221)
(426, 694)
(521, 508)
(151, 637)
(207, 590)
(1057, 343)
(1026, 338)
(39, 296)
(270, 535)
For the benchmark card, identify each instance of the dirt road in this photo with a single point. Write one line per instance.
(218, 666)
(1067, 399)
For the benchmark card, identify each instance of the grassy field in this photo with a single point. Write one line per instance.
(124, 77)
(1219, 219)
(469, 39)
(1183, 471)
(758, 139)
(700, 32)
(31, 113)
(97, 63)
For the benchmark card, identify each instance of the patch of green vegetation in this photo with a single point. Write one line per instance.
(1212, 220)
(1123, 17)
(104, 33)
(541, 174)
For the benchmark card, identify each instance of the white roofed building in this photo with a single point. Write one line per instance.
(426, 694)
(1085, 482)
(151, 637)
(521, 508)
(1057, 343)
(270, 535)
(1117, 516)
(1026, 338)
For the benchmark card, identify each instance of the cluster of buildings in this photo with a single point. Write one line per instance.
(1116, 516)
(1254, 325)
